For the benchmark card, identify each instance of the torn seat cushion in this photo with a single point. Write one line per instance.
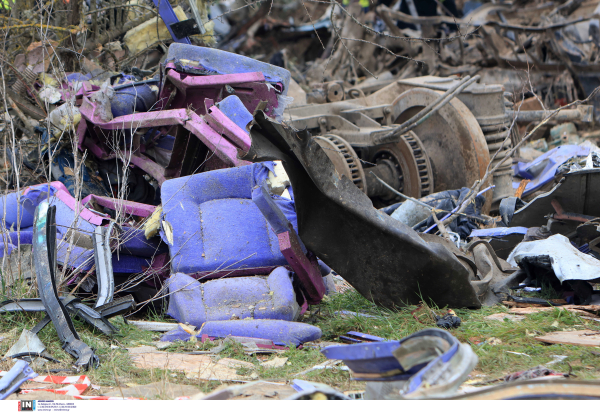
(133, 241)
(83, 257)
(214, 61)
(251, 297)
(216, 225)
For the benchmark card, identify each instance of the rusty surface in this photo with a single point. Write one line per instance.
(452, 138)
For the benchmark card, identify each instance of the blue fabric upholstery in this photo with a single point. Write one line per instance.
(83, 258)
(215, 223)
(134, 251)
(232, 107)
(249, 297)
(215, 61)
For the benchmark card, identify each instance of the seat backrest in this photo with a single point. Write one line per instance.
(192, 74)
(216, 225)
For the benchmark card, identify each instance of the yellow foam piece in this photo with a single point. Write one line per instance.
(153, 223)
(146, 34)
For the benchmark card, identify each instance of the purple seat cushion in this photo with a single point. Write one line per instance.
(216, 225)
(134, 242)
(258, 297)
(16, 215)
(10, 240)
(83, 258)
(234, 234)
(214, 61)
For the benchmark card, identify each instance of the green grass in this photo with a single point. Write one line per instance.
(495, 361)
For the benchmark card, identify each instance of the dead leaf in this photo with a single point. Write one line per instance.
(276, 362)
(188, 328)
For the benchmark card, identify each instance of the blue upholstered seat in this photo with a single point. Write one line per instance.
(215, 224)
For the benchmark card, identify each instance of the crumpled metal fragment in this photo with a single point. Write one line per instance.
(385, 260)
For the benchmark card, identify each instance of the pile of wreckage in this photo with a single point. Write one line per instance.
(218, 189)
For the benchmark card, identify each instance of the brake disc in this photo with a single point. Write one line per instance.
(344, 158)
(452, 138)
(409, 158)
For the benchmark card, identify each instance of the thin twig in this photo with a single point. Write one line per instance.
(440, 226)
(122, 5)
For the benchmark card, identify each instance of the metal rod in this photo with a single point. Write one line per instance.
(581, 114)
(427, 112)
(194, 7)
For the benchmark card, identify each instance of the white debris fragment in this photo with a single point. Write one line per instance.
(279, 181)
